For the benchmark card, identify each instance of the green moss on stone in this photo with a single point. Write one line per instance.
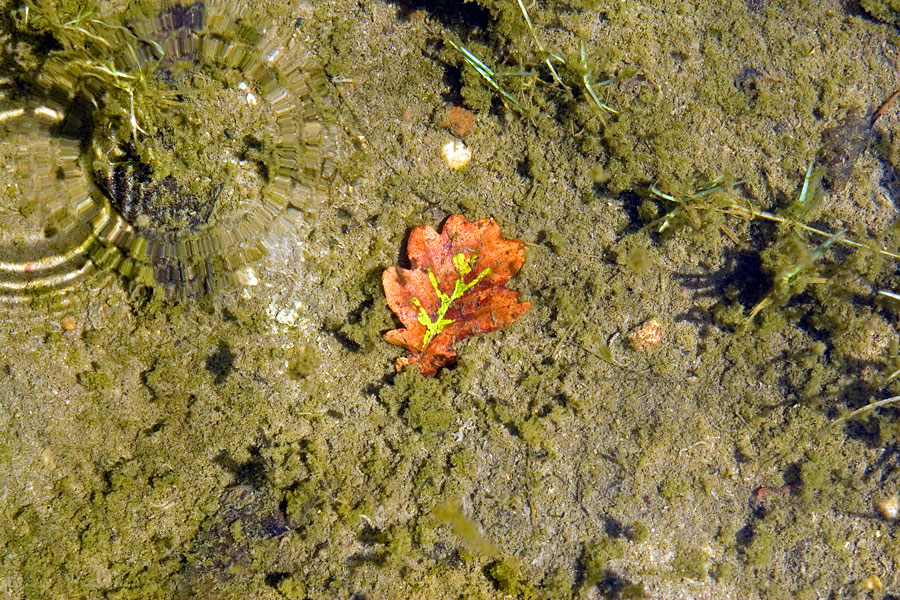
(760, 550)
(815, 475)
(638, 532)
(596, 557)
(303, 362)
(693, 564)
(884, 10)
(509, 580)
(95, 380)
(557, 585)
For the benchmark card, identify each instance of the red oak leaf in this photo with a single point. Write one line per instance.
(456, 288)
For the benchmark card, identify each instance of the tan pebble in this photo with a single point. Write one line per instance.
(873, 583)
(48, 458)
(888, 507)
(68, 323)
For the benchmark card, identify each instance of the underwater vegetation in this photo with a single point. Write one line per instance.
(571, 460)
(885, 10)
(795, 260)
(222, 551)
(189, 139)
(814, 253)
(790, 278)
(456, 288)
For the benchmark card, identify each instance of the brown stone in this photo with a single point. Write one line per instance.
(458, 121)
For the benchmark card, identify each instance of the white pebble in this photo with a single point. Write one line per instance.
(246, 276)
(888, 507)
(456, 154)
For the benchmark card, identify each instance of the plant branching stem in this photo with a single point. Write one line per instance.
(434, 327)
(486, 73)
(749, 212)
(541, 46)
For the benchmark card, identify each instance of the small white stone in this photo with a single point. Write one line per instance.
(888, 507)
(456, 154)
(11, 114)
(246, 276)
(287, 316)
(251, 99)
(48, 114)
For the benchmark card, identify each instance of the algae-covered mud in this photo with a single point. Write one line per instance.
(199, 201)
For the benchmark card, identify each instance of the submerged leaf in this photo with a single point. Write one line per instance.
(456, 288)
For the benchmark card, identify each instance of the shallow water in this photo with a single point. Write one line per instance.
(255, 441)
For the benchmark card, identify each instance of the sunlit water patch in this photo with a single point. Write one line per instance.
(49, 221)
(187, 140)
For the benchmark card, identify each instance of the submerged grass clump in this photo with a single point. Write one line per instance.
(576, 71)
(834, 286)
(796, 255)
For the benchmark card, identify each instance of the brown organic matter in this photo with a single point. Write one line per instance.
(459, 121)
(456, 288)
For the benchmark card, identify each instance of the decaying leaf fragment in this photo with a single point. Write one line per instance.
(455, 288)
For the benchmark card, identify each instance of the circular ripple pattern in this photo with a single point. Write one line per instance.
(49, 221)
(192, 137)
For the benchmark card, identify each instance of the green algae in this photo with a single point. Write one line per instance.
(693, 564)
(887, 11)
(95, 380)
(508, 580)
(303, 362)
(466, 530)
(341, 441)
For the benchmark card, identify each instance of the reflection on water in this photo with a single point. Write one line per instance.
(171, 145)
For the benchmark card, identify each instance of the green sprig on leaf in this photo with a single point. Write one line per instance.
(434, 327)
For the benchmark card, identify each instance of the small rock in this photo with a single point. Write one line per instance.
(456, 154)
(647, 335)
(246, 276)
(888, 507)
(459, 121)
